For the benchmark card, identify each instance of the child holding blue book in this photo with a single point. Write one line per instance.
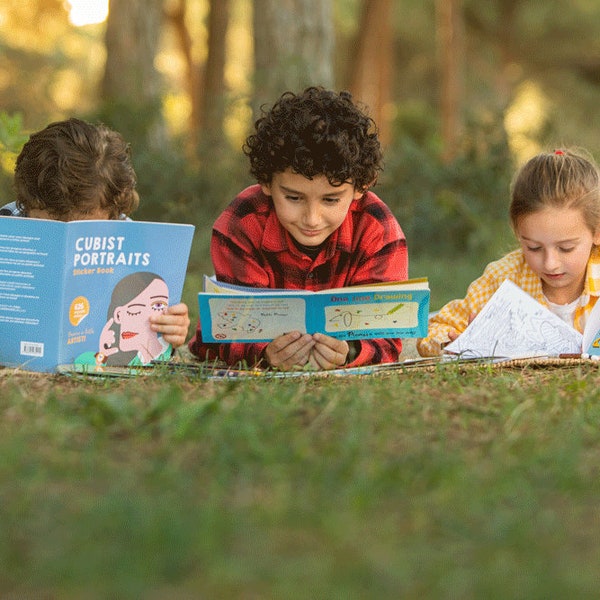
(74, 170)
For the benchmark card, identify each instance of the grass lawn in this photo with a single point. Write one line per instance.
(454, 482)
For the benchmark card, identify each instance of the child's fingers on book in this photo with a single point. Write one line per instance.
(170, 327)
(287, 350)
(177, 309)
(335, 345)
(327, 357)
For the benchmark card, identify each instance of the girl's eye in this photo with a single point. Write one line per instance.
(159, 306)
(331, 200)
(567, 250)
(536, 249)
(292, 198)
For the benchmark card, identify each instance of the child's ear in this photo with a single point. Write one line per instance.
(359, 192)
(596, 238)
(266, 188)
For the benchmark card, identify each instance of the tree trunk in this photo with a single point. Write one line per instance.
(450, 49)
(210, 117)
(130, 79)
(293, 46)
(372, 65)
(175, 12)
(506, 27)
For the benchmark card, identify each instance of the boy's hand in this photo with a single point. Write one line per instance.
(289, 350)
(174, 324)
(328, 352)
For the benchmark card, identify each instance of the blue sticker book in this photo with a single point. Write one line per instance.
(82, 291)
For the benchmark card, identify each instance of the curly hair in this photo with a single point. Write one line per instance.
(562, 179)
(316, 132)
(72, 168)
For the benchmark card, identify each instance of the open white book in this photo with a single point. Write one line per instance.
(514, 325)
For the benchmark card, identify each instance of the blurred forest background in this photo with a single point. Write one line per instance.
(462, 91)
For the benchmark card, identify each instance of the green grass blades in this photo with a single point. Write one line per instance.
(465, 482)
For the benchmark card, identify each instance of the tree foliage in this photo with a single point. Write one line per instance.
(175, 75)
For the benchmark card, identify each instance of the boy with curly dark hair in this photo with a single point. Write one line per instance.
(309, 223)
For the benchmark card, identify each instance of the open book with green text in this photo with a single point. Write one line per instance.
(230, 313)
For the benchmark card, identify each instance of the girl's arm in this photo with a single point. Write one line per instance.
(454, 317)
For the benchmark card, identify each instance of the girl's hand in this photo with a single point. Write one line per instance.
(289, 350)
(173, 324)
(328, 352)
(453, 334)
(435, 347)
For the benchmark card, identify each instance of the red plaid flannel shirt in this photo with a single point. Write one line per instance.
(250, 247)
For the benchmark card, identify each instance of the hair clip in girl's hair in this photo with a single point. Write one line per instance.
(559, 152)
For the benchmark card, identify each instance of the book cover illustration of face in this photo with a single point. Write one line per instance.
(127, 338)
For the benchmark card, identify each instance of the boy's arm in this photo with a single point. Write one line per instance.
(386, 264)
(376, 351)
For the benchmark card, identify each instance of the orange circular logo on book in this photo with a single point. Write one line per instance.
(79, 310)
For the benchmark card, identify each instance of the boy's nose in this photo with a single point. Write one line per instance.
(312, 216)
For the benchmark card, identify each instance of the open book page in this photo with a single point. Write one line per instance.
(213, 286)
(514, 325)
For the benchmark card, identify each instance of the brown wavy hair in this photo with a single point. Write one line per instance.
(72, 168)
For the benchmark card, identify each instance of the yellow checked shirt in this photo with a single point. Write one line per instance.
(455, 315)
